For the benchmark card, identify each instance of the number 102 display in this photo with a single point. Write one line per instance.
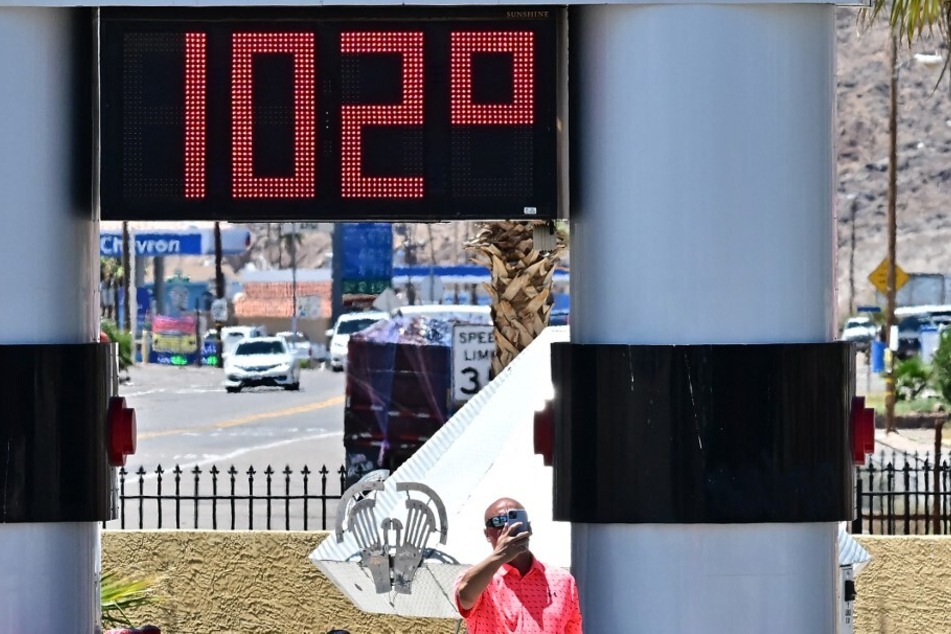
(335, 115)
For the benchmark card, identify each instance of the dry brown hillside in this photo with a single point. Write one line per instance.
(924, 157)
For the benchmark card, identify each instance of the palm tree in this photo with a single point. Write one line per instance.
(520, 282)
(911, 19)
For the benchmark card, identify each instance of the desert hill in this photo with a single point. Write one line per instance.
(924, 157)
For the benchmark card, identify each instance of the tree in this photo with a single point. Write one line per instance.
(941, 367)
(520, 283)
(911, 19)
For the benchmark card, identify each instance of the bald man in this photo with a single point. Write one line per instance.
(510, 590)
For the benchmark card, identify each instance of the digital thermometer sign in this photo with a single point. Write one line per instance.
(331, 114)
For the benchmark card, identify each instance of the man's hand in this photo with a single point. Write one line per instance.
(477, 578)
(511, 546)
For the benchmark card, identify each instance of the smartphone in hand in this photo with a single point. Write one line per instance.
(518, 515)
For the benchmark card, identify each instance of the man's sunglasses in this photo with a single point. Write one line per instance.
(499, 521)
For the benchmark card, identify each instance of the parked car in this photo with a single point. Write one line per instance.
(339, 335)
(260, 361)
(859, 330)
(299, 344)
(909, 334)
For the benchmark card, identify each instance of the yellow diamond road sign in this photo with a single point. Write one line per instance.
(879, 277)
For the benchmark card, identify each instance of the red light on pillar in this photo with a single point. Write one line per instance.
(121, 431)
(545, 432)
(863, 430)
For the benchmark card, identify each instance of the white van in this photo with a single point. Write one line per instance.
(231, 336)
(339, 335)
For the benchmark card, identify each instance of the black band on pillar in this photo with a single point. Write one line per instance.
(702, 434)
(54, 464)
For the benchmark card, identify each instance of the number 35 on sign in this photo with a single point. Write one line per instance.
(472, 349)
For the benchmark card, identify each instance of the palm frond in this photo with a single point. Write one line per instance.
(118, 594)
(911, 19)
(914, 19)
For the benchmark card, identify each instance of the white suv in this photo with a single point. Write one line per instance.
(859, 330)
(339, 335)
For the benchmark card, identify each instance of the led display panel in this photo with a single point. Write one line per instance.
(336, 114)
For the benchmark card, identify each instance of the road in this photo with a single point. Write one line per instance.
(185, 418)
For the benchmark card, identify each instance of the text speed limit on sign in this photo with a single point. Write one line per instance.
(472, 349)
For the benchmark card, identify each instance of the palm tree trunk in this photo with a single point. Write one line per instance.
(520, 285)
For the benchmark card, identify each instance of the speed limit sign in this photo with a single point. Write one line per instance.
(472, 348)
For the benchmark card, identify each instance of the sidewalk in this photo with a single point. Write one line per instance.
(910, 441)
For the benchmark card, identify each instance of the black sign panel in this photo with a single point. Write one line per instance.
(328, 114)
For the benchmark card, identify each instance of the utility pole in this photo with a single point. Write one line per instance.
(219, 291)
(853, 208)
(127, 280)
(293, 246)
(891, 222)
(336, 262)
(432, 266)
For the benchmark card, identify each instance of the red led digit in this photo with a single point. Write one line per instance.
(522, 108)
(196, 115)
(245, 184)
(353, 183)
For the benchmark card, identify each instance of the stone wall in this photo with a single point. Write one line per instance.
(906, 587)
(258, 582)
(242, 582)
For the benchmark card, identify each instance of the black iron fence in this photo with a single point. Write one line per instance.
(228, 500)
(895, 494)
(903, 494)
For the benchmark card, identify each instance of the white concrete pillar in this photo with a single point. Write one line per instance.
(702, 213)
(49, 250)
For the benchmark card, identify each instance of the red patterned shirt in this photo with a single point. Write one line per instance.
(544, 601)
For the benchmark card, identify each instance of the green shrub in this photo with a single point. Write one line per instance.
(941, 367)
(124, 339)
(911, 379)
